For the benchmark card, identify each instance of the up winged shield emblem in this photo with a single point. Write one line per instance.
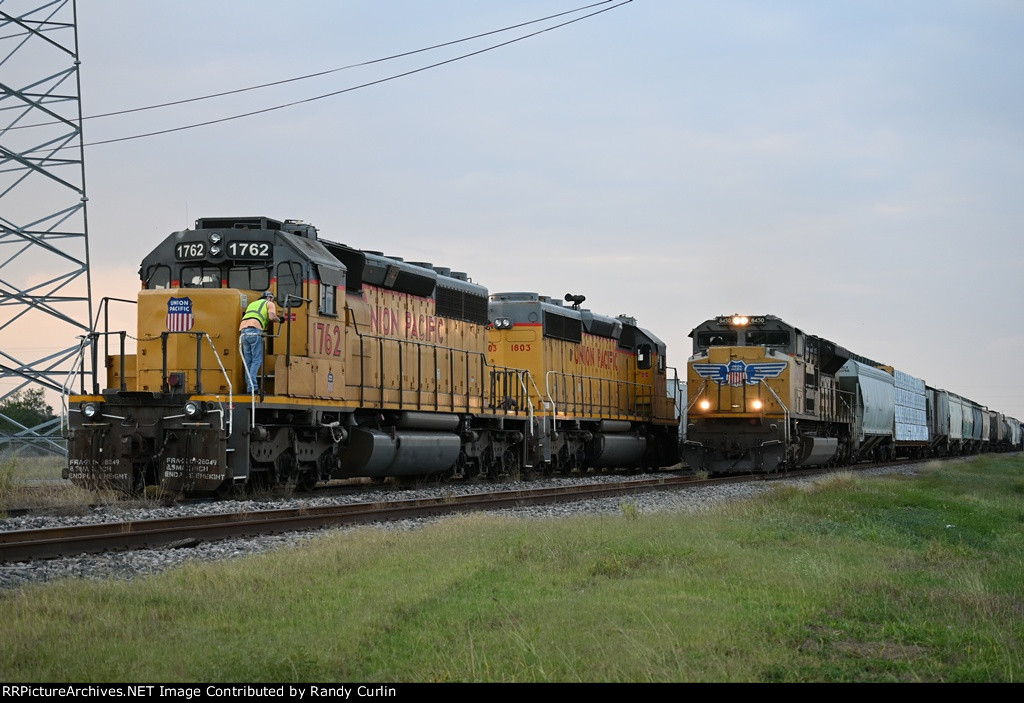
(738, 372)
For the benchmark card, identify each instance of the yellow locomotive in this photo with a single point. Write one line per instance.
(378, 368)
(764, 396)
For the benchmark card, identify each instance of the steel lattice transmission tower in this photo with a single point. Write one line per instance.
(45, 285)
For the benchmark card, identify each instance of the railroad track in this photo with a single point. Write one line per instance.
(51, 543)
(188, 531)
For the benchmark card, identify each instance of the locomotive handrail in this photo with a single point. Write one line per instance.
(700, 389)
(164, 336)
(508, 377)
(579, 406)
(528, 435)
(677, 399)
(844, 398)
(89, 339)
(65, 389)
(105, 307)
(785, 409)
(165, 384)
(287, 322)
(228, 380)
(72, 373)
(403, 344)
(250, 381)
(78, 367)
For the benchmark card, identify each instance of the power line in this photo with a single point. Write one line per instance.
(341, 68)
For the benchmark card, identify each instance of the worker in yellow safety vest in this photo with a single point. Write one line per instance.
(255, 322)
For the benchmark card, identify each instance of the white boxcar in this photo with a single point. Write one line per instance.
(911, 408)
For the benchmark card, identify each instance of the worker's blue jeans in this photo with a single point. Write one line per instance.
(252, 353)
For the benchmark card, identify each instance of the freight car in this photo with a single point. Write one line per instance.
(379, 368)
(765, 396)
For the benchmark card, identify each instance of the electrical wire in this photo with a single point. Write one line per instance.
(335, 70)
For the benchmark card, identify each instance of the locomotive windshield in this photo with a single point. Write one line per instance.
(716, 338)
(200, 277)
(767, 338)
(745, 331)
(249, 277)
(158, 276)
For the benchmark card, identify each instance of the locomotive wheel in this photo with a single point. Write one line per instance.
(306, 480)
(567, 461)
(490, 464)
(465, 468)
(286, 469)
(260, 477)
(510, 462)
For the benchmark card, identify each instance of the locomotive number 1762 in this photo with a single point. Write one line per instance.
(239, 249)
(190, 251)
(327, 339)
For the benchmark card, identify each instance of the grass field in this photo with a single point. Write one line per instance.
(25, 483)
(893, 579)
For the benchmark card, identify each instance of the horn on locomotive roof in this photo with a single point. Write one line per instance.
(576, 300)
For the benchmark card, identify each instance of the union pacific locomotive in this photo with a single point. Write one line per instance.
(379, 368)
(765, 396)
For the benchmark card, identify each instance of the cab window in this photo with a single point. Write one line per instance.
(643, 356)
(289, 284)
(158, 276)
(200, 277)
(327, 302)
(767, 338)
(716, 338)
(246, 278)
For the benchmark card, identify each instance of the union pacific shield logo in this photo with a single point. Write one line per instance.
(738, 372)
(179, 314)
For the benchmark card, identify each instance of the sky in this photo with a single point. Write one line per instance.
(854, 168)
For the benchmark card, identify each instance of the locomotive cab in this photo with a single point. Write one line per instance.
(170, 414)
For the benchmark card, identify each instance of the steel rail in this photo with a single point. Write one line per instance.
(51, 543)
(188, 531)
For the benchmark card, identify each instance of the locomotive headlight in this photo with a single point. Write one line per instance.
(705, 404)
(90, 410)
(216, 237)
(193, 409)
(756, 404)
(740, 320)
(502, 323)
(215, 250)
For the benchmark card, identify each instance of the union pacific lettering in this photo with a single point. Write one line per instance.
(392, 322)
(592, 356)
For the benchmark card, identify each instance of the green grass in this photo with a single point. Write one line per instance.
(25, 467)
(19, 487)
(896, 579)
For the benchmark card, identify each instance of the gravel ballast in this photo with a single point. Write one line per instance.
(128, 565)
